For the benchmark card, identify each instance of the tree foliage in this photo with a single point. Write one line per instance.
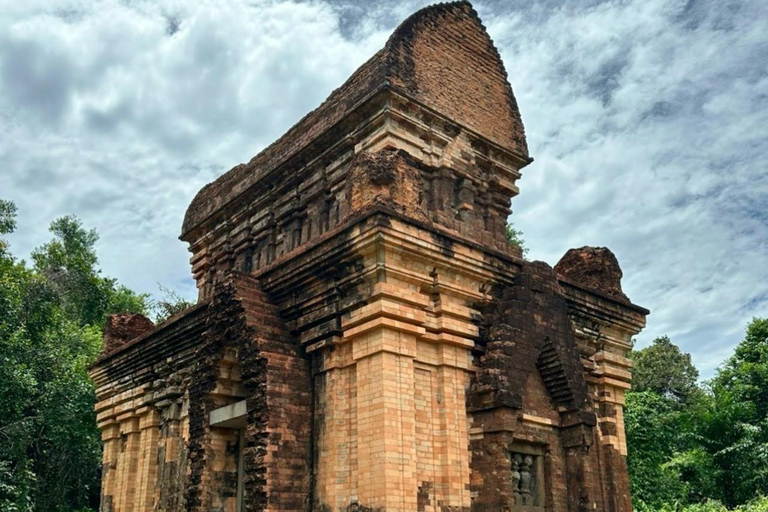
(68, 265)
(169, 305)
(663, 369)
(652, 424)
(50, 321)
(759, 504)
(703, 446)
(745, 373)
(7, 217)
(736, 428)
(515, 238)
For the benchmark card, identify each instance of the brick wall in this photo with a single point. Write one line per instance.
(446, 59)
(530, 393)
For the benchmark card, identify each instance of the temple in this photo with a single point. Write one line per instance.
(365, 337)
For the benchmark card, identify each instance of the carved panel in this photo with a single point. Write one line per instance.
(528, 478)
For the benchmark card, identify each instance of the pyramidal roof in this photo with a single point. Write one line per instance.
(441, 56)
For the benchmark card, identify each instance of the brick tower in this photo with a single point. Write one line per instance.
(365, 337)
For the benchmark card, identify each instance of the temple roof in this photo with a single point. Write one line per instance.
(441, 56)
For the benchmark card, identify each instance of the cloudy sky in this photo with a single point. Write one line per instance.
(647, 120)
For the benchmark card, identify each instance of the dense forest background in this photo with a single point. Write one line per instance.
(693, 446)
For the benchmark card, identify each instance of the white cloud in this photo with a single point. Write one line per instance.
(646, 119)
(119, 112)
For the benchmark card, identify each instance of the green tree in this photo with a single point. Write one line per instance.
(169, 305)
(515, 238)
(17, 379)
(68, 264)
(738, 448)
(667, 461)
(652, 424)
(664, 369)
(50, 322)
(745, 373)
(7, 221)
(689, 444)
(736, 427)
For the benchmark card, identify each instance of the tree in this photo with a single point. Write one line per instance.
(738, 447)
(7, 220)
(666, 460)
(515, 238)
(50, 322)
(736, 428)
(17, 378)
(68, 264)
(745, 373)
(663, 369)
(171, 304)
(689, 444)
(652, 424)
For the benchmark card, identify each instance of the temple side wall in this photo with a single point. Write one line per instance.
(142, 412)
(144, 446)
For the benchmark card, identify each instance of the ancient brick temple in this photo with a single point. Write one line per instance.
(365, 337)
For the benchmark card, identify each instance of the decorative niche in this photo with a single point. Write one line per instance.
(527, 475)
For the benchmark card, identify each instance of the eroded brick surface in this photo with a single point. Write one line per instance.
(529, 333)
(122, 328)
(595, 268)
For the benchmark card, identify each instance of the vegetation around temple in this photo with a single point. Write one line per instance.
(695, 447)
(51, 312)
(515, 238)
(703, 444)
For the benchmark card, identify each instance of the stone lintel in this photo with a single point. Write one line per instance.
(537, 420)
(229, 416)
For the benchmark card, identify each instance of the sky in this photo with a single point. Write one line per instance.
(647, 120)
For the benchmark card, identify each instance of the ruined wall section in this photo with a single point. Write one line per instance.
(603, 331)
(288, 405)
(226, 344)
(551, 385)
(156, 392)
(142, 412)
(530, 342)
(275, 381)
(604, 322)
